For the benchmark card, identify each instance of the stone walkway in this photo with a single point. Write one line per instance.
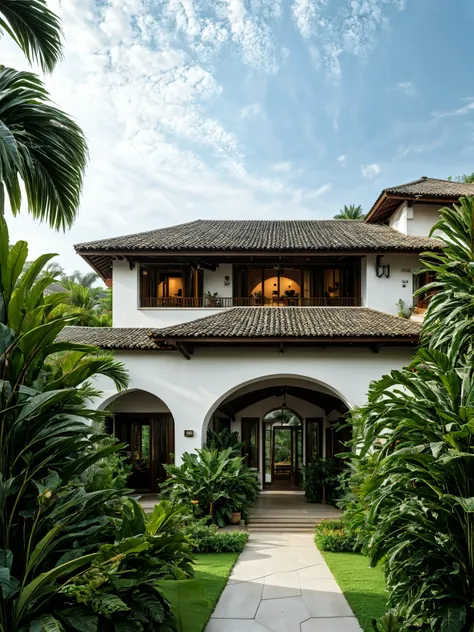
(281, 583)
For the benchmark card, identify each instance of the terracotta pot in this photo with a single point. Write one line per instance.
(235, 517)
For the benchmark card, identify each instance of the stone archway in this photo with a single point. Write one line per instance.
(244, 408)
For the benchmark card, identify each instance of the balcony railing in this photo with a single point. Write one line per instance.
(252, 301)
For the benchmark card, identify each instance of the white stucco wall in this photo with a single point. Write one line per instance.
(383, 294)
(192, 389)
(424, 218)
(214, 280)
(126, 312)
(398, 221)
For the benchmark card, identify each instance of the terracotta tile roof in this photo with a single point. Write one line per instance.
(336, 323)
(109, 337)
(292, 322)
(263, 235)
(448, 191)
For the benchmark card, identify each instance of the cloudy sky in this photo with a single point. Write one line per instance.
(255, 108)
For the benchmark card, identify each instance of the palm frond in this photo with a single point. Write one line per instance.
(50, 147)
(35, 28)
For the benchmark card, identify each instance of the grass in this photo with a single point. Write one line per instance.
(363, 587)
(194, 600)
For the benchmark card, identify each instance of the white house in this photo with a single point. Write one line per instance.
(222, 322)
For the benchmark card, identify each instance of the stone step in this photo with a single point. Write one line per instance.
(279, 529)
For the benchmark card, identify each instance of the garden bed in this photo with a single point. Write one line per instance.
(363, 587)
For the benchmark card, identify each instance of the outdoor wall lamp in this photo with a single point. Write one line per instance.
(381, 270)
(226, 280)
(189, 433)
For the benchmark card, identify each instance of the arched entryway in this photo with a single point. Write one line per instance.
(256, 410)
(145, 424)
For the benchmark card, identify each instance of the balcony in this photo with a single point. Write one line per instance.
(226, 302)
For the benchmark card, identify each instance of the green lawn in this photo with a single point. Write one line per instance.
(363, 587)
(193, 600)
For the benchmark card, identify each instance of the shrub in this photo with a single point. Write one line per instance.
(223, 440)
(333, 535)
(212, 484)
(209, 539)
(317, 474)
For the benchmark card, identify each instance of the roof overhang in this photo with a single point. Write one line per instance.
(387, 204)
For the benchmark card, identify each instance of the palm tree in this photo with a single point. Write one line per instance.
(350, 212)
(35, 29)
(40, 146)
(86, 279)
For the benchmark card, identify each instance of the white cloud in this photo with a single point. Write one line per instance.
(351, 28)
(462, 111)
(305, 195)
(251, 111)
(370, 171)
(343, 160)
(282, 167)
(141, 82)
(407, 87)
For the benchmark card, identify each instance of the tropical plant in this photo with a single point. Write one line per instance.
(223, 439)
(404, 311)
(350, 212)
(41, 147)
(421, 497)
(449, 319)
(208, 538)
(318, 475)
(35, 29)
(212, 484)
(55, 534)
(84, 303)
(467, 178)
(335, 536)
(86, 279)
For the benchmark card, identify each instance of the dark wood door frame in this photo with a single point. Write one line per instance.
(158, 453)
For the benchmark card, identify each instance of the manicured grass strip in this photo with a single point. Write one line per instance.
(363, 587)
(193, 600)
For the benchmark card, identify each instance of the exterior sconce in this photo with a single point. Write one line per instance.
(381, 270)
(189, 433)
(226, 280)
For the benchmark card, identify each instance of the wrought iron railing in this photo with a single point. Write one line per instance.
(252, 301)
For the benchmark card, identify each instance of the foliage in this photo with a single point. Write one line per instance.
(71, 558)
(404, 311)
(85, 303)
(390, 622)
(111, 472)
(467, 178)
(334, 535)
(449, 320)
(318, 474)
(350, 212)
(41, 147)
(35, 29)
(223, 440)
(363, 587)
(207, 538)
(86, 279)
(212, 483)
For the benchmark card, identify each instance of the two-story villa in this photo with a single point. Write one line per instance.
(222, 323)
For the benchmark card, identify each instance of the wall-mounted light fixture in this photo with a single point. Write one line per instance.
(227, 280)
(189, 433)
(381, 270)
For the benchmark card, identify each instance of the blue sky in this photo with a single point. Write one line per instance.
(256, 108)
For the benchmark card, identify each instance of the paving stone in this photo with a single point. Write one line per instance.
(234, 625)
(333, 624)
(282, 585)
(318, 571)
(239, 601)
(282, 615)
(324, 598)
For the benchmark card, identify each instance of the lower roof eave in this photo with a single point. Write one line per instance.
(225, 340)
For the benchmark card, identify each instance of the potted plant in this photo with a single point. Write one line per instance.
(212, 299)
(258, 298)
(235, 517)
